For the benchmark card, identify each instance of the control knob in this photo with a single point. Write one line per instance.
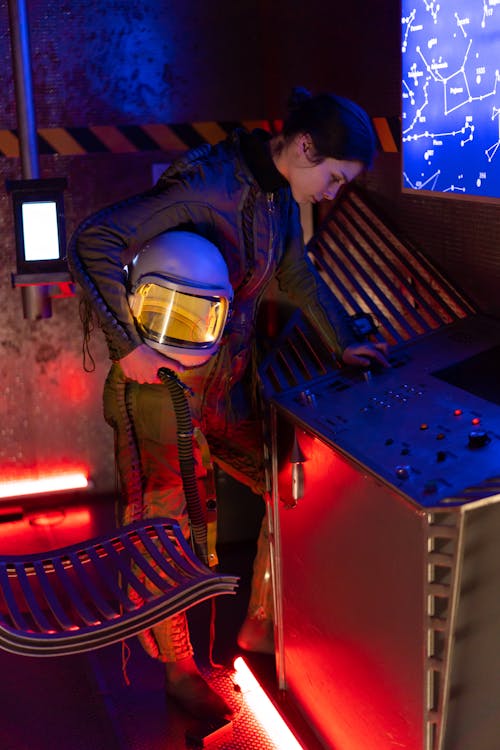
(478, 439)
(402, 471)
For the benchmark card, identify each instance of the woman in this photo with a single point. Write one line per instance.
(242, 195)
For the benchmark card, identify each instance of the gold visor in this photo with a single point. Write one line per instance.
(169, 316)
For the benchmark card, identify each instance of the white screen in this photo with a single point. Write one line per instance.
(41, 239)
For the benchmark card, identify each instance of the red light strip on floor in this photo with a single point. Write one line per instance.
(17, 487)
(263, 709)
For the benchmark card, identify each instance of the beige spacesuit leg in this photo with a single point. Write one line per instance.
(257, 631)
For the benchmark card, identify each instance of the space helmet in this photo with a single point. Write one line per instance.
(180, 295)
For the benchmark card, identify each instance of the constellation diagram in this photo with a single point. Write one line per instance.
(451, 96)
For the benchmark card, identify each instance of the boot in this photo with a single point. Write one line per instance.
(192, 693)
(184, 683)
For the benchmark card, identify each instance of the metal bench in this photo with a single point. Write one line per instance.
(98, 592)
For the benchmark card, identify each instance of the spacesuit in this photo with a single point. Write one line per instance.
(232, 196)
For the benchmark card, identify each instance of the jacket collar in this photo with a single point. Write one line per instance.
(256, 152)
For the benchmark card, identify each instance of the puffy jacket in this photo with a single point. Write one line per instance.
(212, 191)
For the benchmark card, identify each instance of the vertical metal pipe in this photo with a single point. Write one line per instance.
(21, 60)
(36, 299)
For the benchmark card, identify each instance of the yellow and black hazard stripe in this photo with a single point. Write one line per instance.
(120, 139)
(388, 131)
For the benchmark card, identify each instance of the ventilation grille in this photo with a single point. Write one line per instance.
(371, 271)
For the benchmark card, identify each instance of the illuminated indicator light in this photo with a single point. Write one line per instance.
(476, 420)
(457, 412)
(263, 709)
(55, 483)
(440, 436)
(424, 426)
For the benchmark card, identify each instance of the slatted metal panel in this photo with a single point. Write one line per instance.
(370, 270)
(90, 595)
(301, 356)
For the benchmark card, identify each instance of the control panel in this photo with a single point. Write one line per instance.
(429, 424)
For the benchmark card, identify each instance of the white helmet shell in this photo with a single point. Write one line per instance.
(180, 295)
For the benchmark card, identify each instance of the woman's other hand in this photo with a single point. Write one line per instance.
(142, 364)
(366, 354)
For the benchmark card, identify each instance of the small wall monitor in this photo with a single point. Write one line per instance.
(41, 236)
(451, 98)
(39, 225)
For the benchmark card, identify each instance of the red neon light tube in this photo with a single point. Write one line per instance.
(263, 709)
(52, 483)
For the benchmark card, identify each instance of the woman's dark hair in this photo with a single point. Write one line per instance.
(339, 128)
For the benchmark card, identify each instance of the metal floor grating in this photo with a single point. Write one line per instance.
(247, 733)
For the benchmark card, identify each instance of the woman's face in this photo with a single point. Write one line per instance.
(311, 182)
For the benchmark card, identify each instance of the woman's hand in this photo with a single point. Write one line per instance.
(142, 364)
(366, 354)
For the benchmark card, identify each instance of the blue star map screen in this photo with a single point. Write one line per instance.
(451, 97)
